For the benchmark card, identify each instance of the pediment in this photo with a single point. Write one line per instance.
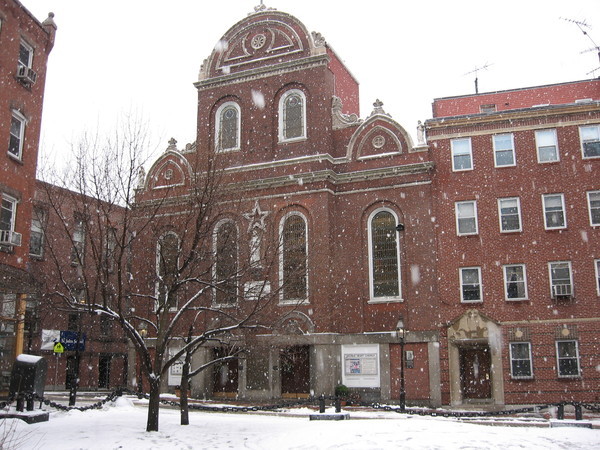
(170, 170)
(378, 136)
(262, 39)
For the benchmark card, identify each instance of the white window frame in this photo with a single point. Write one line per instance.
(507, 281)
(237, 260)
(546, 212)
(576, 357)
(500, 215)
(13, 211)
(539, 136)
(298, 301)
(455, 153)
(372, 298)
(591, 208)
(498, 151)
(594, 129)
(458, 217)
(20, 118)
(512, 359)
(552, 280)
(462, 284)
(30, 50)
(281, 121)
(218, 120)
(597, 270)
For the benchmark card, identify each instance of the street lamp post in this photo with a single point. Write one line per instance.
(400, 332)
(143, 330)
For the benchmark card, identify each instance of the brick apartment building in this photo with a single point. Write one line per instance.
(517, 207)
(76, 260)
(25, 44)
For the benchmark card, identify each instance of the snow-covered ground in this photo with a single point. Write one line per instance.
(121, 425)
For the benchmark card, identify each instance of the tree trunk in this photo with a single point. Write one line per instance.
(183, 397)
(153, 406)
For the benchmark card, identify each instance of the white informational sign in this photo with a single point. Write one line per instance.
(176, 369)
(360, 366)
(49, 338)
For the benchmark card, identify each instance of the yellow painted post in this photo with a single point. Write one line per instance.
(20, 333)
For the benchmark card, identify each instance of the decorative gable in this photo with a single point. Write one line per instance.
(264, 38)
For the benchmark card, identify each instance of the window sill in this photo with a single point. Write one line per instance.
(517, 300)
(467, 234)
(375, 301)
(570, 377)
(510, 231)
(555, 229)
(468, 302)
(522, 378)
(293, 302)
(292, 141)
(15, 158)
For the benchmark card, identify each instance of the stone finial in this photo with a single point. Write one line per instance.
(318, 39)
(172, 144)
(378, 108)
(49, 22)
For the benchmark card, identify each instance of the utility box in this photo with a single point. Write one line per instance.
(28, 375)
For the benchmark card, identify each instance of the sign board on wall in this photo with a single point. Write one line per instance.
(360, 366)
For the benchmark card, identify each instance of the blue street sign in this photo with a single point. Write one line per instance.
(69, 340)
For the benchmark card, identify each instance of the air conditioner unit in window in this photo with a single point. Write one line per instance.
(562, 291)
(26, 74)
(10, 238)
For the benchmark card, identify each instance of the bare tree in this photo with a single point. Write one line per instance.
(150, 260)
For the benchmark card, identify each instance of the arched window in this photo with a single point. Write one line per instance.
(384, 256)
(293, 259)
(292, 116)
(167, 256)
(227, 124)
(225, 271)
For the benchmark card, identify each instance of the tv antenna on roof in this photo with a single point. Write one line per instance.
(581, 24)
(475, 71)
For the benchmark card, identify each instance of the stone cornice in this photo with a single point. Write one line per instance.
(263, 72)
(336, 178)
(510, 116)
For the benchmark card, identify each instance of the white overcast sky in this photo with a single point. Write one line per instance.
(115, 57)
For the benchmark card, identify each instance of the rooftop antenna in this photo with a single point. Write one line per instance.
(475, 71)
(581, 24)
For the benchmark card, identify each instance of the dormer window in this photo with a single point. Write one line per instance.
(227, 127)
(292, 116)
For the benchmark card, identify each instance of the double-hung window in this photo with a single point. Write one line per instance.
(547, 146)
(470, 284)
(520, 360)
(594, 207)
(590, 141)
(509, 211)
(17, 135)
(8, 213)
(462, 155)
(561, 279)
(466, 217)
(554, 211)
(78, 238)
(25, 55)
(567, 358)
(515, 282)
(36, 237)
(504, 150)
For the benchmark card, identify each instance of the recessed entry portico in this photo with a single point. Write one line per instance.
(474, 347)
